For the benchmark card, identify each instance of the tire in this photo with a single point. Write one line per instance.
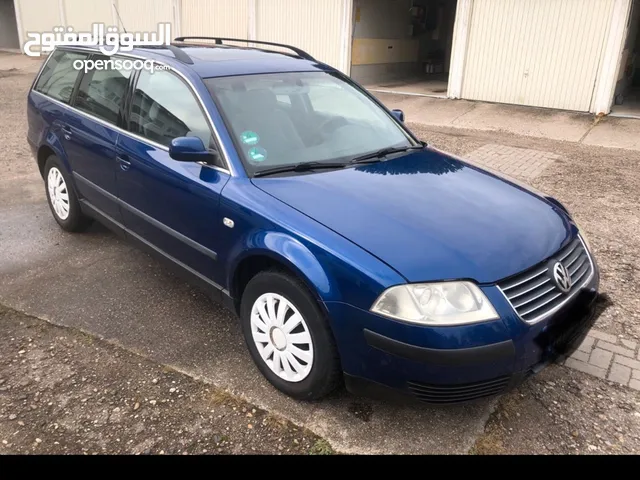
(62, 197)
(309, 349)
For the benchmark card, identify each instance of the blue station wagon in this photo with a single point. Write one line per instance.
(351, 251)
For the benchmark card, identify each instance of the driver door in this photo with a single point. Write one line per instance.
(170, 206)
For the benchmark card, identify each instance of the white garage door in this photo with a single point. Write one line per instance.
(215, 18)
(543, 53)
(316, 26)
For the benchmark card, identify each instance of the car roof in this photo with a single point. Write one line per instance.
(227, 60)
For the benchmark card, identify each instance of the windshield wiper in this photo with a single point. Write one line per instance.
(299, 167)
(380, 154)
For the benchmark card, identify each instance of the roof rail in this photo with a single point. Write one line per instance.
(298, 51)
(180, 54)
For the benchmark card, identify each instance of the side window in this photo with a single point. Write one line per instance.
(59, 76)
(164, 108)
(101, 92)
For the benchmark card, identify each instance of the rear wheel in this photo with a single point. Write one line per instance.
(62, 198)
(288, 336)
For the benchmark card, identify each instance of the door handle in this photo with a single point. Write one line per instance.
(124, 162)
(66, 131)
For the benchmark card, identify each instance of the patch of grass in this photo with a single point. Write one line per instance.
(222, 397)
(321, 447)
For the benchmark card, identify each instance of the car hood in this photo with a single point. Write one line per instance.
(431, 216)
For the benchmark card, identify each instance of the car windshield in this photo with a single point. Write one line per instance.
(288, 119)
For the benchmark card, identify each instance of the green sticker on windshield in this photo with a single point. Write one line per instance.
(258, 154)
(250, 138)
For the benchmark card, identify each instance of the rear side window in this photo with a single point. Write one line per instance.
(58, 76)
(102, 92)
(164, 108)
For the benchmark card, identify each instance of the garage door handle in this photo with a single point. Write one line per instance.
(124, 162)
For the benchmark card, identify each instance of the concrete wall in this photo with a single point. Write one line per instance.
(383, 49)
(8, 27)
(382, 19)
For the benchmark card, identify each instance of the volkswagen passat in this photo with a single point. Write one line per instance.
(349, 249)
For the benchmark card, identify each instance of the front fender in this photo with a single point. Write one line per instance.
(334, 268)
(290, 252)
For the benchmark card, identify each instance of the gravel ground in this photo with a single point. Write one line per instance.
(562, 411)
(65, 392)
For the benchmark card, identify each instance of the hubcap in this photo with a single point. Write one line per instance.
(282, 337)
(58, 193)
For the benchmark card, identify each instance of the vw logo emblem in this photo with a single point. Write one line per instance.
(562, 277)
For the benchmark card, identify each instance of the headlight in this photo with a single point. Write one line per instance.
(447, 303)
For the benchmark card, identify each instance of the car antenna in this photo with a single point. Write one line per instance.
(119, 18)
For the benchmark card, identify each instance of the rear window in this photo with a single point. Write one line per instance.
(101, 93)
(58, 76)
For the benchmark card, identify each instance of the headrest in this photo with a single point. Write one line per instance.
(262, 99)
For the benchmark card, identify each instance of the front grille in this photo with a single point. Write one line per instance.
(448, 394)
(534, 294)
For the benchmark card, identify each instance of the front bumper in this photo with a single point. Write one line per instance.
(457, 364)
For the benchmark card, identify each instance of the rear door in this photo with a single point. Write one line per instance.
(91, 135)
(171, 206)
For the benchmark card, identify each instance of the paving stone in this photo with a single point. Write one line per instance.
(524, 163)
(635, 374)
(603, 336)
(586, 368)
(629, 344)
(582, 356)
(616, 349)
(586, 345)
(635, 384)
(600, 358)
(628, 362)
(620, 374)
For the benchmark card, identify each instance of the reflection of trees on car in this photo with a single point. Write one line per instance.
(410, 164)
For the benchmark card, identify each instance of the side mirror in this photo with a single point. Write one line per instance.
(190, 149)
(399, 114)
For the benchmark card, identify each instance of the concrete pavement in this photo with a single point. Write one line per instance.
(525, 121)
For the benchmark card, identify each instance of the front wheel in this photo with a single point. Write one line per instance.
(288, 336)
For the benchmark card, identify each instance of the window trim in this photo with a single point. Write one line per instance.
(76, 84)
(90, 51)
(76, 92)
(131, 96)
